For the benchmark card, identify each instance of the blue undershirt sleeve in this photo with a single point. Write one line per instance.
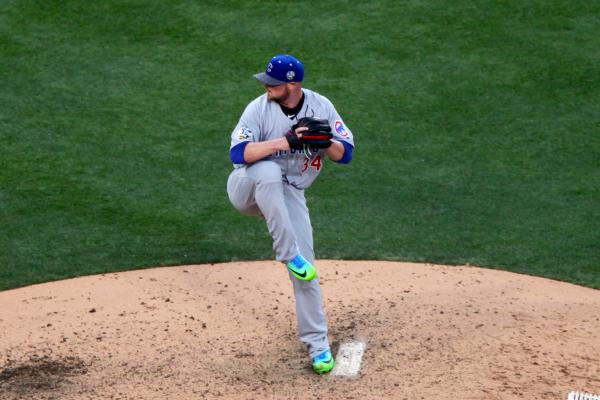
(236, 154)
(347, 157)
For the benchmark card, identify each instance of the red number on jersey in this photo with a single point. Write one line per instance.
(305, 166)
(316, 163)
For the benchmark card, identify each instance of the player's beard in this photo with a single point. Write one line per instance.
(281, 98)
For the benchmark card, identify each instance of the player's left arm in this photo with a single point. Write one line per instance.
(336, 151)
(342, 143)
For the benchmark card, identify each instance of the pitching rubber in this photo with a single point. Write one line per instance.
(582, 396)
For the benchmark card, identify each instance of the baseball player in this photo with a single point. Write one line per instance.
(278, 148)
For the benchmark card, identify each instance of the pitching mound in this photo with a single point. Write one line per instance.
(229, 331)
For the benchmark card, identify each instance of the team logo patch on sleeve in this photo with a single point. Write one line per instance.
(341, 129)
(244, 133)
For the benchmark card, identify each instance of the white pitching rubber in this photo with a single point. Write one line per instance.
(348, 360)
(582, 396)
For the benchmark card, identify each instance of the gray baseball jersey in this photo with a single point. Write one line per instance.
(264, 120)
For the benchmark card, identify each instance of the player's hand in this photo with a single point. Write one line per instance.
(308, 134)
(313, 132)
(299, 131)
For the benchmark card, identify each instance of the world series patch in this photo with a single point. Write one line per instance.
(244, 133)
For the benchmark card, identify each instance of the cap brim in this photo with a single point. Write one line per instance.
(268, 80)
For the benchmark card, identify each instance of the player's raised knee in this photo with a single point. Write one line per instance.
(265, 171)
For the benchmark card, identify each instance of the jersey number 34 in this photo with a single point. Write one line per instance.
(315, 163)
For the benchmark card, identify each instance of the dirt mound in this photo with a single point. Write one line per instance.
(39, 373)
(228, 331)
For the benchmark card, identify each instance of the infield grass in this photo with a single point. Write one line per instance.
(476, 124)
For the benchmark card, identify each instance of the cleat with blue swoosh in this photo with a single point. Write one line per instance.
(302, 269)
(323, 363)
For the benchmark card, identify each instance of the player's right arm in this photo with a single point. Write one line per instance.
(255, 151)
(247, 145)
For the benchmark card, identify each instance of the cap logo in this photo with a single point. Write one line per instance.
(290, 75)
(269, 67)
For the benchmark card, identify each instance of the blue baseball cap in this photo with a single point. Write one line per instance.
(282, 68)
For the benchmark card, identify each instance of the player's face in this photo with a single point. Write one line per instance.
(279, 93)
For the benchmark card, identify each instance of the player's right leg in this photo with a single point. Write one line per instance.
(257, 189)
(240, 189)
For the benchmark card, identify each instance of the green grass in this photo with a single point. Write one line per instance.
(476, 128)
